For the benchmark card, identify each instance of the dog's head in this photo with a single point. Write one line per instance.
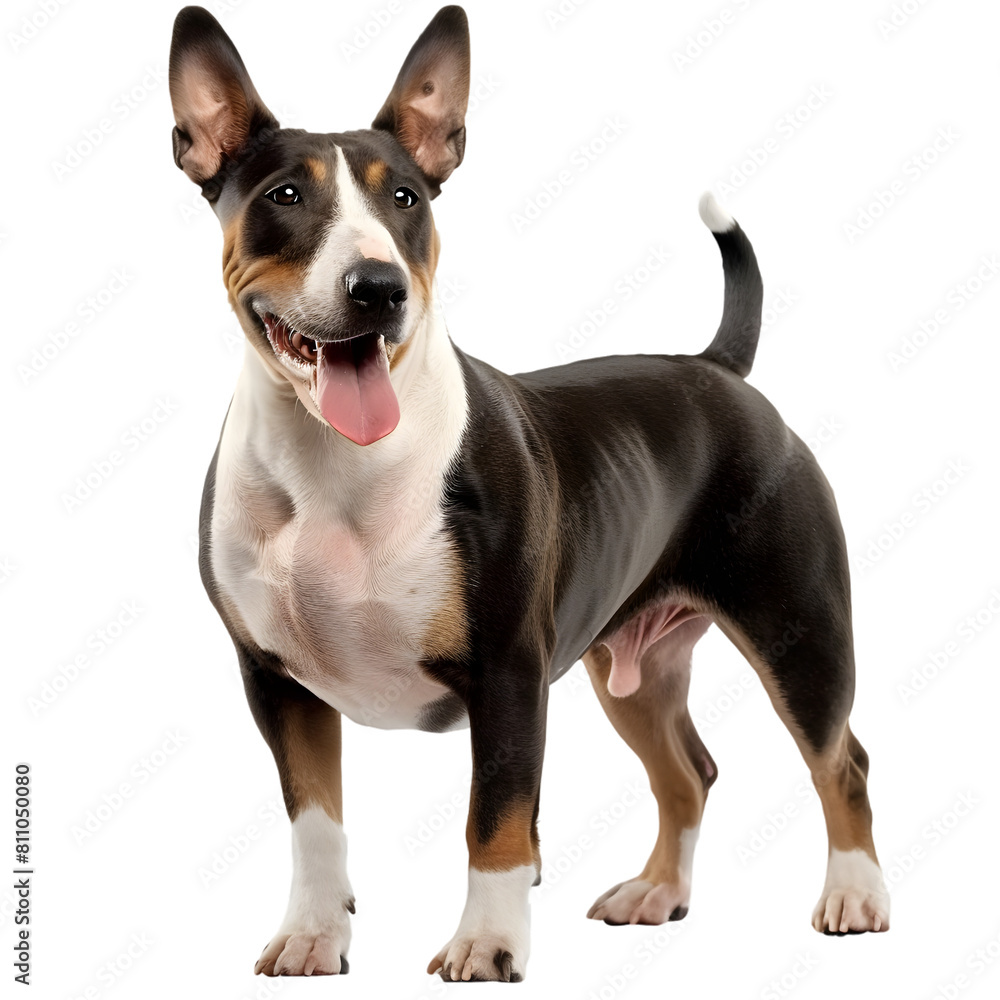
(329, 245)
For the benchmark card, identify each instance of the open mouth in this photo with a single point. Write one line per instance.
(286, 340)
(349, 379)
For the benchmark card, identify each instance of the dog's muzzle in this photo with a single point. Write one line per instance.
(346, 359)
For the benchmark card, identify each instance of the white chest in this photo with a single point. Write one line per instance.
(343, 570)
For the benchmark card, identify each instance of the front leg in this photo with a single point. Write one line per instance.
(507, 719)
(303, 733)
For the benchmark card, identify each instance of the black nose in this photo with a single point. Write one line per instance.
(376, 284)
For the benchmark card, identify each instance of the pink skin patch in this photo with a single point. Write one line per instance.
(633, 639)
(374, 249)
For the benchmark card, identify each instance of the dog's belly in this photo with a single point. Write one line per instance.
(350, 620)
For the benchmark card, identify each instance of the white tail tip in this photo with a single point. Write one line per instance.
(714, 215)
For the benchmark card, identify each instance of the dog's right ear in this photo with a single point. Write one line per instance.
(216, 106)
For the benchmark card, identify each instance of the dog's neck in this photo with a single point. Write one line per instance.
(397, 477)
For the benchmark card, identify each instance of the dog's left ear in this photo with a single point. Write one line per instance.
(425, 110)
(216, 106)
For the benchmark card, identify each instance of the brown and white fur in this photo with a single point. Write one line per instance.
(461, 537)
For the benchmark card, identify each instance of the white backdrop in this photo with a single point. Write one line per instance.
(856, 143)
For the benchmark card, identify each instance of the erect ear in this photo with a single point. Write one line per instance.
(216, 106)
(425, 110)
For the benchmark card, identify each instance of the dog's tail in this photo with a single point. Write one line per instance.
(735, 342)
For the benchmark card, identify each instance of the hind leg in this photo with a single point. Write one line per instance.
(655, 723)
(811, 684)
(775, 570)
(854, 897)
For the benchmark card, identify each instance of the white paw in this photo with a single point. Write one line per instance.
(316, 932)
(305, 954)
(640, 902)
(478, 959)
(493, 936)
(854, 898)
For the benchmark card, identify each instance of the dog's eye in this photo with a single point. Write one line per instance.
(405, 198)
(284, 194)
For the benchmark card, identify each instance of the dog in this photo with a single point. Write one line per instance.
(385, 513)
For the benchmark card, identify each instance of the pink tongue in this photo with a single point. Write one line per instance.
(353, 389)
